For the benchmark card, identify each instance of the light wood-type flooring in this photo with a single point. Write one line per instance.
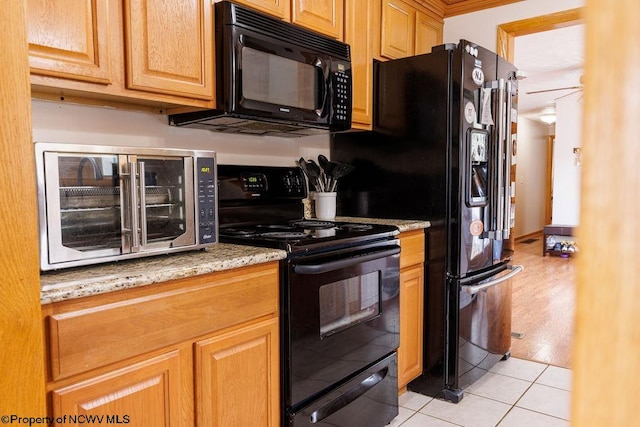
(543, 305)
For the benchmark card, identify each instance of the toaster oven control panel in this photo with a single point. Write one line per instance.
(206, 200)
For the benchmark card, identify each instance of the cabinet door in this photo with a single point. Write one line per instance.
(323, 16)
(156, 392)
(69, 39)
(237, 377)
(359, 34)
(169, 47)
(278, 8)
(398, 29)
(428, 33)
(411, 324)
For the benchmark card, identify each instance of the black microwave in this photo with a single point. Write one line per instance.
(274, 78)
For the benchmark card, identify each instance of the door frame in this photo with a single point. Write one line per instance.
(506, 33)
(548, 208)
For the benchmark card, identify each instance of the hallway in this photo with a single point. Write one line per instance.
(543, 305)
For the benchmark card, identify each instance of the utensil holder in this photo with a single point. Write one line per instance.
(325, 204)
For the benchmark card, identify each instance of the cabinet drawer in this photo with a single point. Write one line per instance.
(412, 244)
(90, 337)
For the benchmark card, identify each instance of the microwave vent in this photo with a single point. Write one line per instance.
(285, 31)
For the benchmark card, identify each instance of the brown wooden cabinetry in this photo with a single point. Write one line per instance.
(151, 392)
(407, 29)
(411, 306)
(169, 47)
(428, 32)
(141, 353)
(323, 16)
(70, 39)
(158, 54)
(252, 352)
(359, 34)
(397, 32)
(278, 8)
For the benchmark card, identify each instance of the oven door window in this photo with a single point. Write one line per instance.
(348, 302)
(282, 81)
(168, 211)
(89, 202)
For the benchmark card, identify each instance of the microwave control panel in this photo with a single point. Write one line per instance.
(341, 114)
(206, 200)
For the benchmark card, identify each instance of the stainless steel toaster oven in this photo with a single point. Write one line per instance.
(104, 203)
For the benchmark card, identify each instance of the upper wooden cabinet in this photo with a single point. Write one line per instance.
(142, 52)
(323, 16)
(397, 32)
(70, 39)
(169, 47)
(278, 8)
(407, 29)
(359, 34)
(428, 33)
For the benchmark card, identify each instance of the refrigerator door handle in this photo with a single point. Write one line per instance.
(515, 270)
(497, 204)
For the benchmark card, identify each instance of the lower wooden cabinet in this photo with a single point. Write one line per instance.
(411, 306)
(154, 392)
(240, 367)
(197, 351)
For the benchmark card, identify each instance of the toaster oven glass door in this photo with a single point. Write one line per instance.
(106, 205)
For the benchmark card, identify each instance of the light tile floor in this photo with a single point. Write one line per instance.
(514, 393)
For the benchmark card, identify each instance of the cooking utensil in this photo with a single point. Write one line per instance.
(328, 167)
(311, 173)
(314, 170)
(340, 170)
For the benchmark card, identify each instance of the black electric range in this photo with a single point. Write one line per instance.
(339, 299)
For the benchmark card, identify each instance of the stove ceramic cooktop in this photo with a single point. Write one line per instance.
(306, 235)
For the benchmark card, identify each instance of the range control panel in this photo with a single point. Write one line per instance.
(260, 182)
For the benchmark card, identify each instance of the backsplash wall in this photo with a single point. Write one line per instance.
(78, 124)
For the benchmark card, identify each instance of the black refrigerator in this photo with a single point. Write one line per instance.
(442, 149)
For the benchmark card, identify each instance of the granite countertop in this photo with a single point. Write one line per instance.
(96, 279)
(402, 224)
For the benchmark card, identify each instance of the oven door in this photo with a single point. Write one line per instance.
(340, 316)
(159, 201)
(278, 80)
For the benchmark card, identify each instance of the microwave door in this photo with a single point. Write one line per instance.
(83, 204)
(161, 190)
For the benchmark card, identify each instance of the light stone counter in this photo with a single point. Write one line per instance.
(402, 224)
(85, 281)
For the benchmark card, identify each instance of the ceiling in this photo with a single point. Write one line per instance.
(552, 59)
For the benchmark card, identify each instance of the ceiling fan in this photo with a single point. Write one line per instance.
(574, 88)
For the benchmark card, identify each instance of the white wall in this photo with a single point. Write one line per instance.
(77, 124)
(531, 176)
(566, 173)
(480, 27)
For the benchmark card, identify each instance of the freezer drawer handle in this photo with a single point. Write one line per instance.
(348, 397)
(515, 269)
(343, 263)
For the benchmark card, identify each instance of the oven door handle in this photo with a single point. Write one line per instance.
(348, 397)
(336, 265)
